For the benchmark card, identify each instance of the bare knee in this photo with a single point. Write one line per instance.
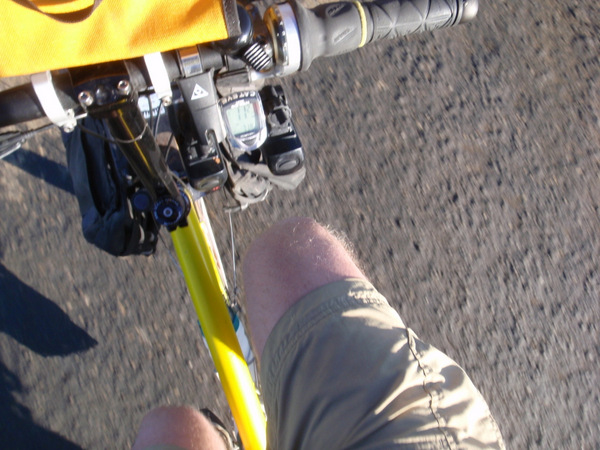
(286, 262)
(180, 426)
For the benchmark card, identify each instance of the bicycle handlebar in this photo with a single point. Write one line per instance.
(19, 104)
(299, 35)
(392, 19)
(337, 28)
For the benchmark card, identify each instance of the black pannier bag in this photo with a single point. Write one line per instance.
(103, 183)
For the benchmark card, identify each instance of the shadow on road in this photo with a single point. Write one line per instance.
(37, 323)
(17, 429)
(51, 172)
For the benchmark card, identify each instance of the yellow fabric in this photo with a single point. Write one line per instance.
(118, 29)
(62, 6)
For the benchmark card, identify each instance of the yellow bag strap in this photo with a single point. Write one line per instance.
(67, 17)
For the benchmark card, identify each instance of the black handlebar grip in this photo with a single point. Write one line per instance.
(394, 18)
(335, 28)
(327, 30)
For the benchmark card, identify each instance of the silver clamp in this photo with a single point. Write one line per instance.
(159, 77)
(53, 108)
(190, 60)
(281, 23)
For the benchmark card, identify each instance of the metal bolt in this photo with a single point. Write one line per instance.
(102, 95)
(85, 98)
(69, 125)
(68, 128)
(124, 87)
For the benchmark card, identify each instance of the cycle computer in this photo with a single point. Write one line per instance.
(244, 119)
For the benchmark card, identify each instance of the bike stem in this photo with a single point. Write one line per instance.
(110, 97)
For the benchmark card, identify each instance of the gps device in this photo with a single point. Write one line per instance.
(244, 120)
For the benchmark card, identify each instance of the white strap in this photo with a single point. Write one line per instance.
(53, 108)
(159, 76)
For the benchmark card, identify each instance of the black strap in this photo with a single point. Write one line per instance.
(71, 17)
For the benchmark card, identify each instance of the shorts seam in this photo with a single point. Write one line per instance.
(426, 370)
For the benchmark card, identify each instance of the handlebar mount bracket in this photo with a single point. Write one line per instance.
(46, 94)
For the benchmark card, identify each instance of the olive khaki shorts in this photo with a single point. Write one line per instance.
(341, 370)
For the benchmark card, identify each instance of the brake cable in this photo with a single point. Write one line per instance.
(13, 140)
(115, 140)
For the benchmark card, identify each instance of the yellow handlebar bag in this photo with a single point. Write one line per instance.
(39, 35)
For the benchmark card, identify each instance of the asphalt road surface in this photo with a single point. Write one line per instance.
(465, 167)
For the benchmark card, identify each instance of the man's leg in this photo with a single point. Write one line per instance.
(177, 427)
(291, 259)
(339, 368)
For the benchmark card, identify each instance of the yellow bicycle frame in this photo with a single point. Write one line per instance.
(209, 297)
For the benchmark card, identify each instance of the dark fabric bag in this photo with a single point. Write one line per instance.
(103, 184)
